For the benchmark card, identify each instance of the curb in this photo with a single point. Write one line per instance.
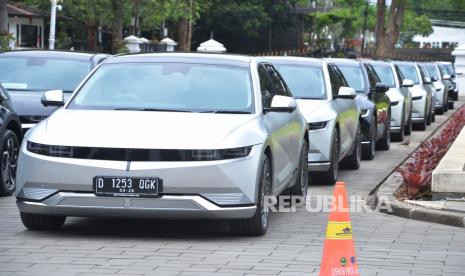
(383, 196)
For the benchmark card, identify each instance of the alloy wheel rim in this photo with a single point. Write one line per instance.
(9, 163)
(266, 181)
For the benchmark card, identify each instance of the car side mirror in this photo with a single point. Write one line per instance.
(381, 88)
(346, 93)
(446, 77)
(53, 98)
(426, 80)
(407, 83)
(282, 104)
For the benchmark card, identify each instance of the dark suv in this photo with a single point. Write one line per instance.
(11, 135)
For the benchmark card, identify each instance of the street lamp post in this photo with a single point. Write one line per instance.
(53, 18)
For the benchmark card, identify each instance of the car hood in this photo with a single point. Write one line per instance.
(148, 129)
(27, 103)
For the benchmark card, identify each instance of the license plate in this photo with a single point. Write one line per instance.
(128, 186)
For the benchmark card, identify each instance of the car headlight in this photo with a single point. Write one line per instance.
(317, 125)
(365, 112)
(137, 155)
(417, 98)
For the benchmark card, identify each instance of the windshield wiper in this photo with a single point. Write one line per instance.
(151, 109)
(226, 112)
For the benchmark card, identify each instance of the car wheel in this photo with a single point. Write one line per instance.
(368, 150)
(385, 142)
(445, 107)
(300, 188)
(450, 105)
(352, 162)
(429, 118)
(409, 126)
(433, 117)
(329, 177)
(440, 110)
(42, 222)
(9, 160)
(456, 96)
(420, 126)
(258, 224)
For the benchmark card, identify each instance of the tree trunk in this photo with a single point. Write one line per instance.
(117, 6)
(3, 17)
(386, 38)
(182, 35)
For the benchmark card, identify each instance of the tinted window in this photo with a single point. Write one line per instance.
(372, 76)
(278, 84)
(304, 81)
(433, 72)
(336, 79)
(354, 77)
(171, 86)
(265, 86)
(33, 73)
(385, 74)
(409, 71)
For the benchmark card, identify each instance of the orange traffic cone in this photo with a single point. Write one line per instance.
(339, 252)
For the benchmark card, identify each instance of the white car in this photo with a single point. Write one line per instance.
(440, 102)
(400, 96)
(327, 102)
(166, 135)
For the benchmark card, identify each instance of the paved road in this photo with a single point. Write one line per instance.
(386, 245)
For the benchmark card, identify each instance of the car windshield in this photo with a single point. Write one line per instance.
(354, 77)
(183, 87)
(410, 72)
(433, 72)
(42, 73)
(305, 82)
(385, 74)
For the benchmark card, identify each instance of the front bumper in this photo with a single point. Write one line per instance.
(168, 206)
(202, 189)
(319, 153)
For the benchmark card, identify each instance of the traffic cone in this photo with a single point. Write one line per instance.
(339, 252)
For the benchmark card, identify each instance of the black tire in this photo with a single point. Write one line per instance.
(429, 118)
(42, 222)
(329, 177)
(420, 126)
(368, 150)
(9, 161)
(440, 110)
(450, 105)
(300, 187)
(456, 96)
(258, 224)
(385, 142)
(446, 107)
(352, 162)
(433, 117)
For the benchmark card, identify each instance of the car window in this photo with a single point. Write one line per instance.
(265, 86)
(409, 71)
(335, 78)
(385, 74)
(451, 69)
(354, 76)
(399, 74)
(372, 76)
(304, 81)
(171, 86)
(424, 74)
(278, 83)
(39, 74)
(433, 72)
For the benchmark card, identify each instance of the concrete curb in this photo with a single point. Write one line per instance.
(383, 196)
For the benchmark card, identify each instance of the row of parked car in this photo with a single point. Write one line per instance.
(198, 135)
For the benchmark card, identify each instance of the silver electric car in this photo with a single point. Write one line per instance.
(400, 96)
(440, 102)
(328, 104)
(166, 136)
(421, 97)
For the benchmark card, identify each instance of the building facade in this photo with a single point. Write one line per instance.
(27, 26)
(446, 34)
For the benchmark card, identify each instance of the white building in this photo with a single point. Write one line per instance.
(27, 26)
(445, 34)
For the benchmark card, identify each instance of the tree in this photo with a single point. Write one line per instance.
(387, 35)
(3, 17)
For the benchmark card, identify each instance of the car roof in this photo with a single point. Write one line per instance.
(377, 62)
(51, 54)
(294, 60)
(205, 58)
(344, 61)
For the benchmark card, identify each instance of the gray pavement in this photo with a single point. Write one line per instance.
(385, 245)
